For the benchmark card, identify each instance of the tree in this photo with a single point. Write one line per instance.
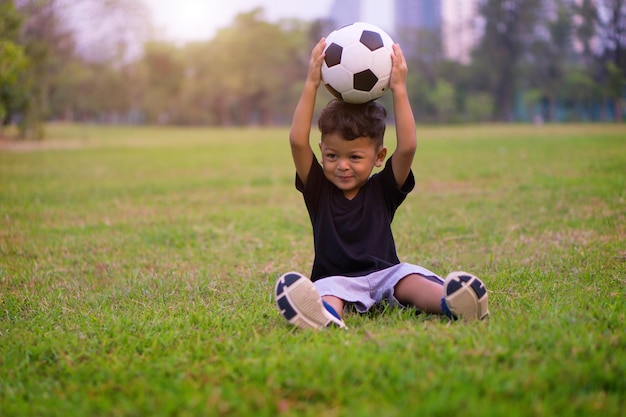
(162, 72)
(443, 99)
(49, 45)
(550, 53)
(13, 61)
(61, 39)
(111, 31)
(580, 91)
(615, 88)
(586, 13)
(479, 107)
(612, 30)
(252, 65)
(509, 28)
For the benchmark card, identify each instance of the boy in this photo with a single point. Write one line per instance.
(351, 212)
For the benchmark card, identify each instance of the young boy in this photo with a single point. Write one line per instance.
(351, 212)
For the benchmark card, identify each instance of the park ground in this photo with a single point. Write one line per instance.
(137, 266)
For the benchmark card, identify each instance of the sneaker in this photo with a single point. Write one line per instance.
(466, 296)
(301, 304)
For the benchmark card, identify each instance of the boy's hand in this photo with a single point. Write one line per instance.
(399, 69)
(314, 74)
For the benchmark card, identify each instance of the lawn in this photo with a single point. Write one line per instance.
(137, 267)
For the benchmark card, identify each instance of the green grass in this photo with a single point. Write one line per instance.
(137, 266)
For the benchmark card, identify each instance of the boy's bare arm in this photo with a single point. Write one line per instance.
(405, 121)
(303, 115)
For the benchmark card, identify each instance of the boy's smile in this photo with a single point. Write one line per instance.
(349, 163)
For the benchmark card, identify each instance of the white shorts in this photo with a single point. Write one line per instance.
(366, 291)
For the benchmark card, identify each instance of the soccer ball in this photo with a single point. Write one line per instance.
(357, 65)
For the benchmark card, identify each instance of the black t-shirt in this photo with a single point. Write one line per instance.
(353, 237)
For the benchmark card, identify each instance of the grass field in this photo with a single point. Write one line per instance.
(137, 266)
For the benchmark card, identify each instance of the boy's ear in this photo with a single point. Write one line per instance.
(380, 156)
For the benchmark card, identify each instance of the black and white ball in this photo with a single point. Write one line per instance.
(357, 65)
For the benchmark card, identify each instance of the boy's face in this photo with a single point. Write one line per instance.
(349, 163)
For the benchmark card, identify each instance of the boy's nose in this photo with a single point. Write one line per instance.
(343, 164)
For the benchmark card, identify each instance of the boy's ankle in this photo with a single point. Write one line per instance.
(446, 310)
(331, 309)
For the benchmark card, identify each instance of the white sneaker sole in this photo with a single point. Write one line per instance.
(300, 303)
(466, 296)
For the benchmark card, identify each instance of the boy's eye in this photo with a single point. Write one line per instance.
(355, 157)
(331, 156)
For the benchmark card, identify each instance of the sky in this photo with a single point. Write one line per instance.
(189, 20)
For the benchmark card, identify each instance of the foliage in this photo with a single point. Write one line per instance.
(479, 107)
(10, 20)
(47, 45)
(137, 267)
(612, 31)
(547, 70)
(503, 47)
(12, 63)
(616, 85)
(251, 72)
(443, 97)
(246, 71)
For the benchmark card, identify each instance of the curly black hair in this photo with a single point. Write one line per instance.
(353, 121)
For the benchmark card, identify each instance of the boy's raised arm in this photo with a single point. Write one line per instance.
(303, 115)
(405, 121)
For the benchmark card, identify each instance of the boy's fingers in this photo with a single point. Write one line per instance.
(319, 48)
(397, 51)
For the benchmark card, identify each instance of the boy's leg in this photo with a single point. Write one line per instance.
(301, 304)
(335, 303)
(461, 294)
(421, 292)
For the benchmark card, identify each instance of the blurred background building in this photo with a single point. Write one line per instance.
(344, 12)
(425, 14)
(452, 21)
